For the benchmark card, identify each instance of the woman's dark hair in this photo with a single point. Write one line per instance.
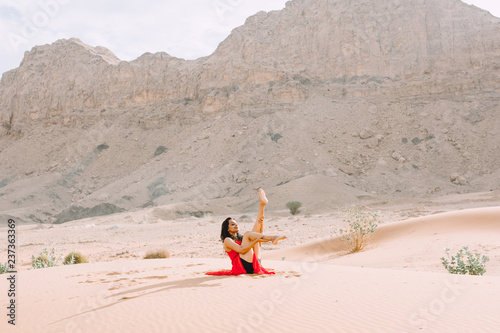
(224, 233)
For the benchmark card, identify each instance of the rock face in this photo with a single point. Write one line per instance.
(388, 97)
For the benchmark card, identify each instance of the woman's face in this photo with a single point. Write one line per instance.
(232, 227)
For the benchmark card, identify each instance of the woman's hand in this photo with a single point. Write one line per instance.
(231, 244)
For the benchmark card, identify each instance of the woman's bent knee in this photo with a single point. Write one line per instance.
(250, 235)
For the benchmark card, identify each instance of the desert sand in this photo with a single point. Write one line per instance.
(395, 284)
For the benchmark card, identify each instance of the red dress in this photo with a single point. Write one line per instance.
(238, 266)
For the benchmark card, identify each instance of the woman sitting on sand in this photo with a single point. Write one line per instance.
(244, 251)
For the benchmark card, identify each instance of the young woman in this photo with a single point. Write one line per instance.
(244, 251)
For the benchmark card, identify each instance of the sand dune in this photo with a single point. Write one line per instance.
(395, 285)
(415, 244)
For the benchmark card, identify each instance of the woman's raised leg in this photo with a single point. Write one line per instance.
(259, 223)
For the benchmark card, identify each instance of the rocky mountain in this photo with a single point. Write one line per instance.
(326, 101)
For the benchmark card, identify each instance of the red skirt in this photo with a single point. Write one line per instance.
(238, 266)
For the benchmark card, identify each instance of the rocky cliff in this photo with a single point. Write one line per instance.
(368, 98)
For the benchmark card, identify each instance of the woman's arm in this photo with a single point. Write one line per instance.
(230, 244)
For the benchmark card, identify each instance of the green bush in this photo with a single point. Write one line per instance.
(465, 262)
(4, 268)
(75, 258)
(46, 259)
(359, 227)
(294, 207)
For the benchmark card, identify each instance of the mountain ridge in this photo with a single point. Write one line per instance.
(397, 98)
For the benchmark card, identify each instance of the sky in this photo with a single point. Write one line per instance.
(186, 29)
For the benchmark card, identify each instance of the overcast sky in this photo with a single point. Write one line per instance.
(186, 29)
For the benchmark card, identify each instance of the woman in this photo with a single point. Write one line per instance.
(244, 251)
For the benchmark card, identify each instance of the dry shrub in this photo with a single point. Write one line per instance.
(359, 226)
(158, 254)
(75, 258)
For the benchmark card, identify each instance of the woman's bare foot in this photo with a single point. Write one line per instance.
(278, 238)
(262, 197)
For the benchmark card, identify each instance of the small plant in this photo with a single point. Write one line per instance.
(4, 268)
(75, 258)
(46, 259)
(160, 150)
(465, 262)
(294, 207)
(159, 254)
(359, 227)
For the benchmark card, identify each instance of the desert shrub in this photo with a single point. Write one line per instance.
(75, 258)
(294, 207)
(465, 262)
(160, 150)
(4, 268)
(46, 259)
(158, 254)
(359, 227)
(275, 136)
(8, 124)
(102, 147)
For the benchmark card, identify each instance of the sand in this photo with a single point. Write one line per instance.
(396, 284)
